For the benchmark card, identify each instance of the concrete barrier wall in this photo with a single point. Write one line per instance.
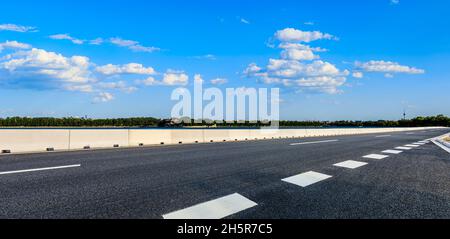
(149, 137)
(38, 140)
(29, 140)
(97, 138)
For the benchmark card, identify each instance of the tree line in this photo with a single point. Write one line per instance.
(439, 120)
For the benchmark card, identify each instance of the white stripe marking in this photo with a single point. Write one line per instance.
(375, 156)
(392, 151)
(315, 142)
(306, 179)
(424, 141)
(382, 136)
(350, 164)
(39, 169)
(412, 145)
(214, 209)
(403, 148)
(418, 143)
(441, 145)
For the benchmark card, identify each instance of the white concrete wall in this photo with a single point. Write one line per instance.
(29, 140)
(80, 138)
(38, 140)
(149, 137)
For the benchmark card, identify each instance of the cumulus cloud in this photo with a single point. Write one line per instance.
(299, 66)
(150, 81)
(13, 45)
(103, 97)
(172, 78)
(387, 67)
(295, 35)
(358, 75)
(219, 81)
(66, 36)
(50, 64)
(119, 85)
(297, 52)
(132, 45)
(395, 2)
(35, 68)
(131, 68)
(17, 28)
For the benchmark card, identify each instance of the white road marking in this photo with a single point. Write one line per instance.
(375, 156)
(382, 136)
(350, 164)
(39, 169)
(390, 151)
(418, 143)
(441, 145)
(424, 141)
(412, 145)
(214, 209)
(404, 148)
(315, 142)
(306, 179)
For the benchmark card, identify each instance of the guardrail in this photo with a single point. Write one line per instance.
(42, 140)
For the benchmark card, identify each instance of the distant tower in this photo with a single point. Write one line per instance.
(404, 114)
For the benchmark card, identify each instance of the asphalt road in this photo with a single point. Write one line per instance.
(156, 181)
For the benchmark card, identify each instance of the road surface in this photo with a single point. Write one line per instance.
(323, 177)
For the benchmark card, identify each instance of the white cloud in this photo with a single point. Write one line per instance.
(389, 75)
(244, 21)
(170, 78)
(119, 85)
(299, 66)
(294, 35)
(309, 23)
(16, 28)
(131, 68)
(206, 57)
(297, 52)
(252, 69)
(80, 88)
(387, 67)
(97, 41)
(103, 97)
(13, 45)
(175, 78)
(132, 45)
(49, 64)
(358, 75)
(150, 81)
(219, 81)
(67, 37)
(395, 2)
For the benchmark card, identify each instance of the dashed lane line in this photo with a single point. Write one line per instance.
(412, 145)
(375, 156)
(315, 142)
(214, 209)
(351, 164)
(39, 169)
(383, 136)
(403, 148)
(306, 179)
(390, 151)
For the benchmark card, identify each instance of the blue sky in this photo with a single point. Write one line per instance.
(358, 60)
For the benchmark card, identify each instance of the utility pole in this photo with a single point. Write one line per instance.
(404, 114)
